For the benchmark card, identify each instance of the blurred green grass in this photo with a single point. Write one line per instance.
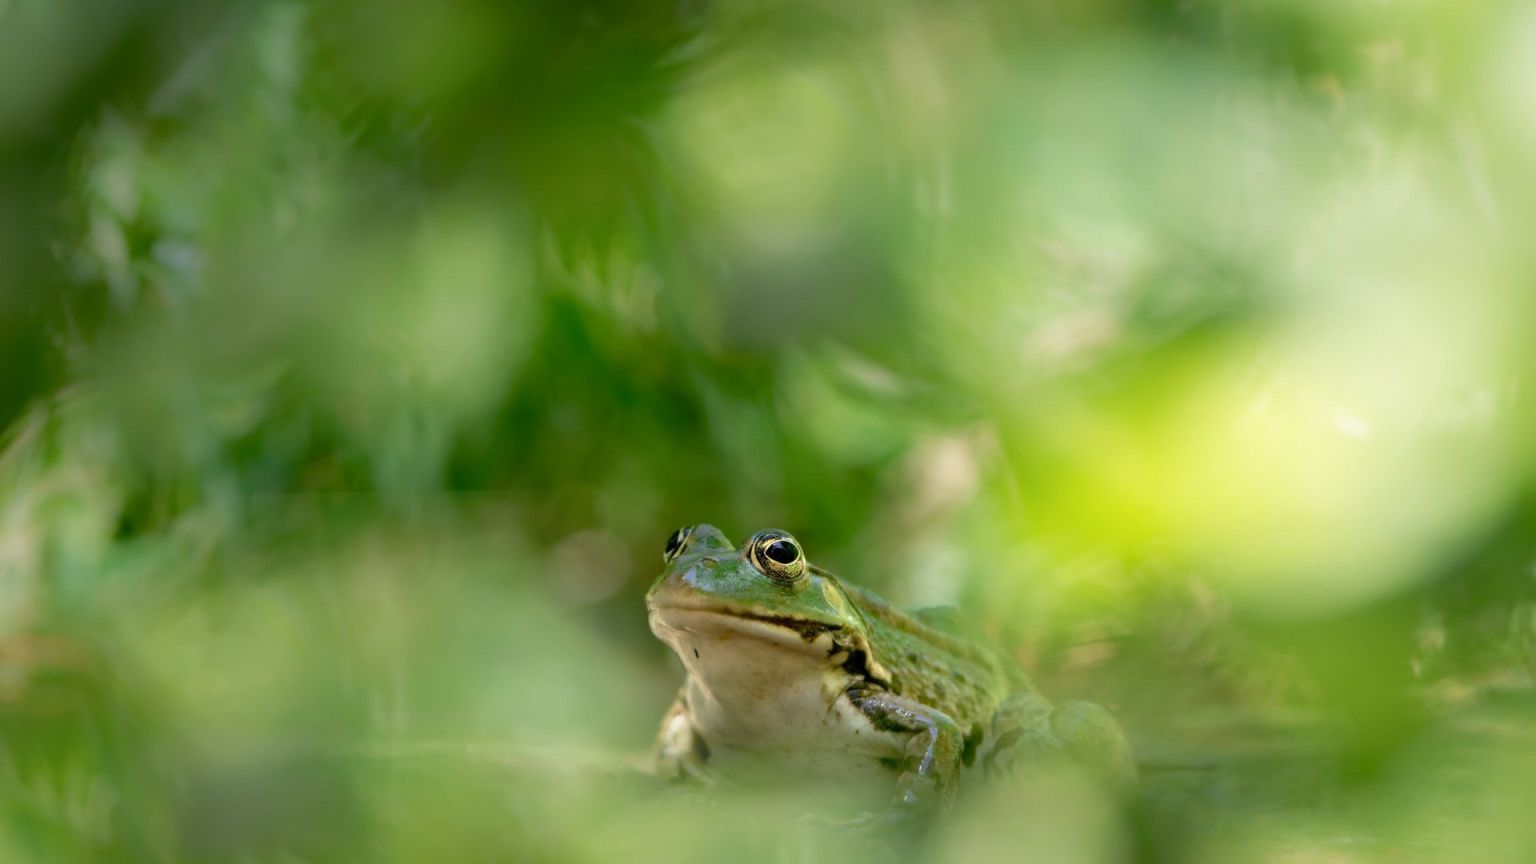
(356, 360)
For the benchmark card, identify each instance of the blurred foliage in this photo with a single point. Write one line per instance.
(356, 360)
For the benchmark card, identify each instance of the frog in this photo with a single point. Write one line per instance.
(786, 664)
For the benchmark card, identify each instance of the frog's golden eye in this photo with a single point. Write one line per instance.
(676, 544)
(777, 555)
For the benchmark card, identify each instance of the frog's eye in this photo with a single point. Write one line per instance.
(676, 544)
(777, 555)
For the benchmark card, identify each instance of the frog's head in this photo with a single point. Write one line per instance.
(765, 590)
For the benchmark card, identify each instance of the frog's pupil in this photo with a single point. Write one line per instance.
(782, 552)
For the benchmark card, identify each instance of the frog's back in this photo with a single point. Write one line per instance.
(932, 657)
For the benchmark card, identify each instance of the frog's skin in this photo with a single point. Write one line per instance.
(790, 666)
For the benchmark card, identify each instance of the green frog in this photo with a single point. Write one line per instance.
(789, 666)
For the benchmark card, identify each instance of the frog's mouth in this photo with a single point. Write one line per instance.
(703, 619)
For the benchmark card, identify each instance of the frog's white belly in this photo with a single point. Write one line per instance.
(760, 693)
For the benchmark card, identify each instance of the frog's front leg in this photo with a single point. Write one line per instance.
(680, 752)
(934, 746)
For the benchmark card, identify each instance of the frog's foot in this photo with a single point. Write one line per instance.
(932, 762)
(1022, 739)
(1095, 741)
(1031, 738)
(685, 771)
(683, 767)
(869, 822)
(681, 753)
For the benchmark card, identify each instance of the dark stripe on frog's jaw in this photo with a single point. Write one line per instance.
(851, 644)
(857, 663)
(807, 629)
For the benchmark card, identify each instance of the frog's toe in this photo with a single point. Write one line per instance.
(873, 823)
(917, 792)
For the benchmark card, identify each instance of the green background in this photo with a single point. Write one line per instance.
(356, 361)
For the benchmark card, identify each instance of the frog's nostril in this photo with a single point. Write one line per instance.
(709, 562)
